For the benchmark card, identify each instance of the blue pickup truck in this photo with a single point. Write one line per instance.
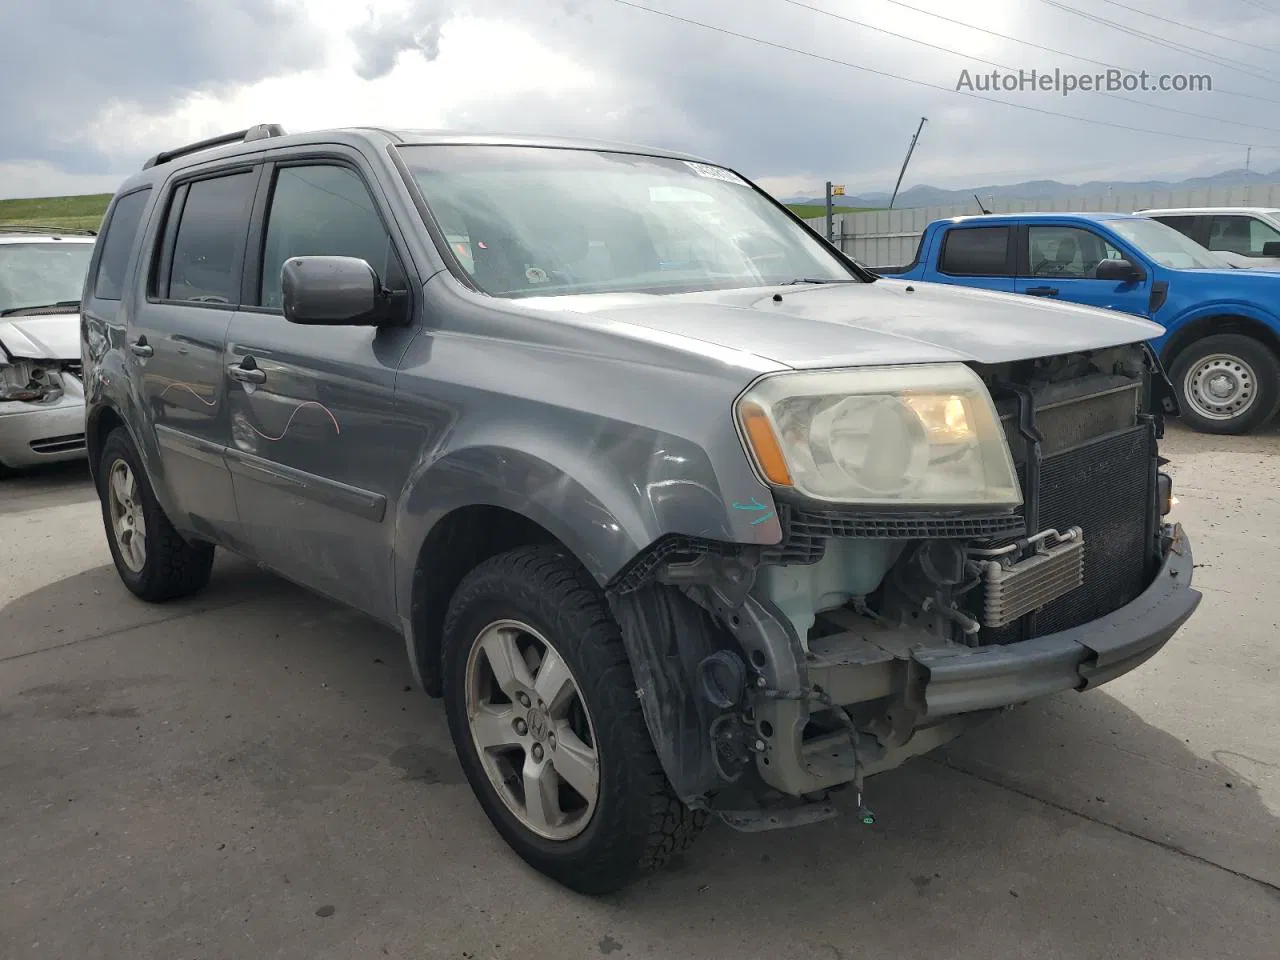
(1221, 343)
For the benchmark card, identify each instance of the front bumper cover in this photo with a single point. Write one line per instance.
(956, 681)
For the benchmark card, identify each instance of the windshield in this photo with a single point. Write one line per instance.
(1166, 246)
(539, 221)
(42, 274)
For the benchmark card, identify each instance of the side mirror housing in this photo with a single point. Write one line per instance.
(334, 291)
(1122, 271)
(1271, 248)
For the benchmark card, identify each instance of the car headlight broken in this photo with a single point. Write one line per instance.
(918, 435)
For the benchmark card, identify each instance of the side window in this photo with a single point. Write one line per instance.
(976, 252)
(1068, 252)
(324, 210)
(1186, 225)
(117, 244)
(1239, 234)
(208, 249)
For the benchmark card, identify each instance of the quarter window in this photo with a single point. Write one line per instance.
(209, 248)
(324, 210)
(117, 244)
(976, 252)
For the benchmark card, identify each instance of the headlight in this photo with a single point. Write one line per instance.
(26, 380)
(919, 435)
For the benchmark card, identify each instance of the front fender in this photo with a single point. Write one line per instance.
(606, 493)
(1193, 312)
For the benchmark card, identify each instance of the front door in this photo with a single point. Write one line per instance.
(178, 340)
(317, 458)
(1062, 264)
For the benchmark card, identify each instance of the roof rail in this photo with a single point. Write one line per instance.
(260, 132)
(44, 229)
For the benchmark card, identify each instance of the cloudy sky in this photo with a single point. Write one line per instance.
(91, 87)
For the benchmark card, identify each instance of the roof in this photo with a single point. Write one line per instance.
(264, 136)
(1209, 210)
(10, 235)
(1097, 216)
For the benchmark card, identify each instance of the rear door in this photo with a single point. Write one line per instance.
(1061, 263)
(318, 457)
(977, 256)
(176, 339)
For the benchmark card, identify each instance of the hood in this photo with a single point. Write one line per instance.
(48, 337)
(862, 324)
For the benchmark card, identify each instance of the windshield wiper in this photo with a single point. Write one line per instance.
(792, 283)
(13, 311)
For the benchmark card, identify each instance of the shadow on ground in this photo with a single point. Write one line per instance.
(252, 764)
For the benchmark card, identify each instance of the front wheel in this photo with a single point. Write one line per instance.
(1227, 383)
(543, 712)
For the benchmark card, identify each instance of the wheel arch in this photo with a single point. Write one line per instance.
(1212, 324)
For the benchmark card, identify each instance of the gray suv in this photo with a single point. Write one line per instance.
(682, 512)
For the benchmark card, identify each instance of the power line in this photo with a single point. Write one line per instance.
(1187, 26)
(1061, 53)
(931, 86)
(1005, 66)
(1238, 65)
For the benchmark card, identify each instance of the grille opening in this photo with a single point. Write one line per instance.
(65, 444)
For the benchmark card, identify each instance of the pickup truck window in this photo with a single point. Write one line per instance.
(976, 252)
(1066, 252)
(1240, 234)
(1166, 246)
(543, 221)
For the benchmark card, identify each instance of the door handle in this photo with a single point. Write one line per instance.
(141, 348)
(1041, 291)
(238, 371)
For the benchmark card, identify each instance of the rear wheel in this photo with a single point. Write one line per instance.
(1228, 383)
(543, 711)
(151, 557)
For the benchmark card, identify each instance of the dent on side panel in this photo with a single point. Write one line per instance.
(559, 444)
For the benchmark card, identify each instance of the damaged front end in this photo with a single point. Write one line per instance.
(41, 410)
(771, 676)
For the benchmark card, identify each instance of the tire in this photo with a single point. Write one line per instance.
(636, 822)
(168, 567)
(1248, 373)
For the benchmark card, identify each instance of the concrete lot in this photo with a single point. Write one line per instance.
(248, 775)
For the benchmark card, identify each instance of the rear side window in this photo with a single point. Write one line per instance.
(208, 249)
(976, 251)
(117, 244)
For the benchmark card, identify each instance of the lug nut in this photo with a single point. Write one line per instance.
(537, 752)
(551, 741)
(524, 699)
(521, 727)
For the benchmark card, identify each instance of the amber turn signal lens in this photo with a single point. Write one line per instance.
(764, 444)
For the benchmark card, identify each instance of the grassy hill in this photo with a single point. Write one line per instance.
(69, 213)
(85, 212)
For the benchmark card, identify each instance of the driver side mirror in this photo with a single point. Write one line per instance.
(1271, 248)
(1122, 271)
(334, 291)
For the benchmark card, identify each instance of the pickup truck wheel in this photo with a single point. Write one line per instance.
(1227, 383)
(152, 558)
(543, 712)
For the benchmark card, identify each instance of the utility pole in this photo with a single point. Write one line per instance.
(830, 230)
(906, 160)
(833, 190)
(1248, 156)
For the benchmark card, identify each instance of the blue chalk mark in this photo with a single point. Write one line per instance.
(756, 505)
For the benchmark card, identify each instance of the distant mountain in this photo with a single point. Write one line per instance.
(927, 196)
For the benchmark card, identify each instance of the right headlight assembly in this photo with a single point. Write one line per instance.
(921, 435)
